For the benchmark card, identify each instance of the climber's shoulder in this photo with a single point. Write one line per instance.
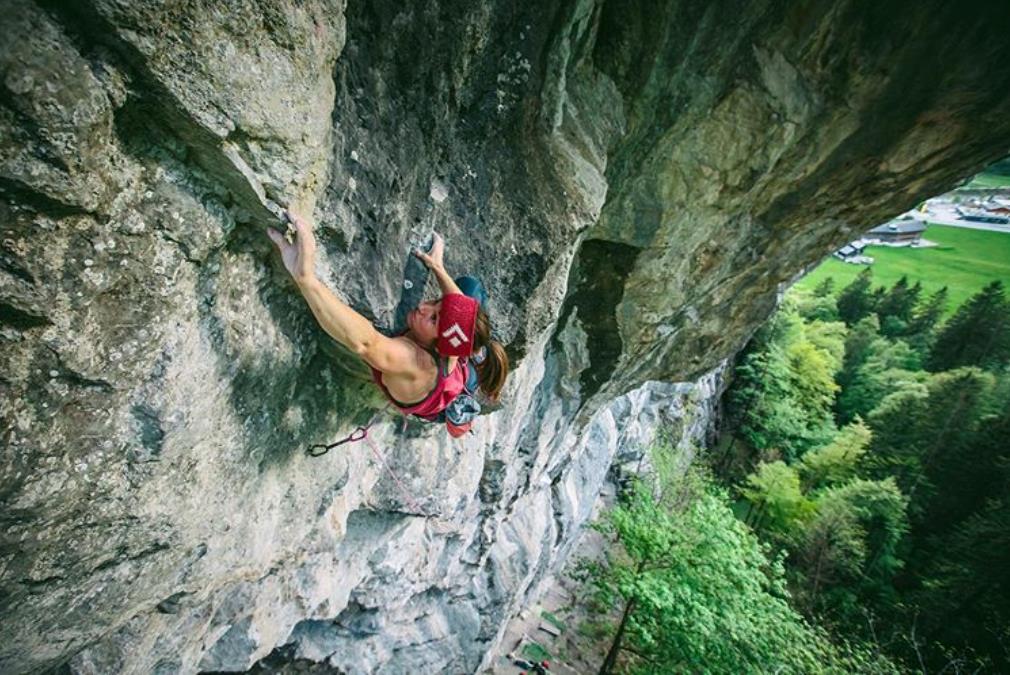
(397, 356)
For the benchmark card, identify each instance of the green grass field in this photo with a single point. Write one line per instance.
(988, 180)
(964, 261)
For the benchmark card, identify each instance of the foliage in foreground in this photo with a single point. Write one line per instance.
(894, 528)
(698, 591)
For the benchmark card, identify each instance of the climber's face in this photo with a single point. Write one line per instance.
(423, 323)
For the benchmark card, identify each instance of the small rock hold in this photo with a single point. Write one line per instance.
(20, 83)
(170, 605)
(438, 192)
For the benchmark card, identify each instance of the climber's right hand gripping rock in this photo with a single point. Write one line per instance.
(299, 256)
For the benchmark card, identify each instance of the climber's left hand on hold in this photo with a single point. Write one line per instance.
(299, 257)
(434, 257)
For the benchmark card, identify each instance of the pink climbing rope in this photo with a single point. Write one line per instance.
(361, 433)
(403, 491)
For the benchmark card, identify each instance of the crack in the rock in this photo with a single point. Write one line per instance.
(26, 124)
(21, 319)
(74, 377)
(11, 265)
(36, 200)
(117, 561)
(37, 583)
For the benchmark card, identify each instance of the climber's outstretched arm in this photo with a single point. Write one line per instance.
(342, 323)
(355, 332)
(433, 260)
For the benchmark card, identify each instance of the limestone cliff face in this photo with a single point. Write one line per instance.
(633, 181)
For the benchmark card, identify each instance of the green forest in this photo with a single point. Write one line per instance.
(855, 516)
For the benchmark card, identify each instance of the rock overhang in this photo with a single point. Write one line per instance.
(160, 379)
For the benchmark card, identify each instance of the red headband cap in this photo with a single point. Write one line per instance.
(457, 323)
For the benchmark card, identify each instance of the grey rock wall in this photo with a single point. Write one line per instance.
(632, 180)
(683, 416)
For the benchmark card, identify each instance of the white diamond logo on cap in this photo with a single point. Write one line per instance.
(455, 335)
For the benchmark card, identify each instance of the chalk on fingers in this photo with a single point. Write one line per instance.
(291, 229)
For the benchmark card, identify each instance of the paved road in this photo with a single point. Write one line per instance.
(944, 214)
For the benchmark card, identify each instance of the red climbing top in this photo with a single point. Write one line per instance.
(447, 387)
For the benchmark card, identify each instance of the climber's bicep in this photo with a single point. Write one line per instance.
(389, 355)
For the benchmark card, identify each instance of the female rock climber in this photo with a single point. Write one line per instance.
(424, 370)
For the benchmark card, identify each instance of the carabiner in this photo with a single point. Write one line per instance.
(354, 436)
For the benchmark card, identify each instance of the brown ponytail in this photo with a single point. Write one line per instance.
(491, 373)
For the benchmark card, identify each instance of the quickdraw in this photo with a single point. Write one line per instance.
(354, 437)
(361, 433)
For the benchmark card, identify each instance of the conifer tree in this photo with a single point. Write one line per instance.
(825, 288)
(847, 553)
(855, 300)
(958, 552)
(889, 366)
(814, 307)
(930, 469)
(857, 344)
(964, 596)
(972, 472)
(784, 388)
(929, 313)
(921, 330)
(896, 307)
(977, 335)
(913, 429)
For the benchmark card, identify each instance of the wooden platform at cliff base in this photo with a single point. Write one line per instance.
(569, 650)
(531, 631)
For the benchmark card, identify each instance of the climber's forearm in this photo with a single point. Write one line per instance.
(445, 282)
(344, 324)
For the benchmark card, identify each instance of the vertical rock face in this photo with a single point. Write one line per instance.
(633, 181)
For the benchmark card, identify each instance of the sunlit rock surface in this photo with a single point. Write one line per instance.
(632, 180)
